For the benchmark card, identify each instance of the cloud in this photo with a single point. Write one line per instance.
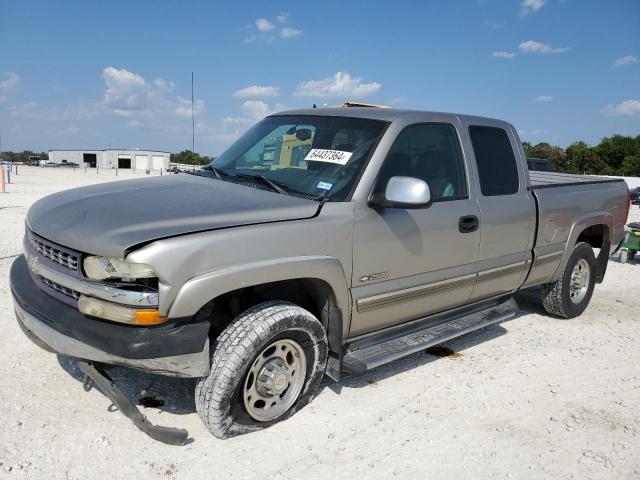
(536, 132)
(3, 98)
(255, 109)
(230, 128)
(121, 82)
(628, 107)
(128, 94)
(264, 29)
(544, 98)
(625, 61)
(531, 46)
(25, 110)
(70, 130)
(250, 38)
(289, 32)
(257, 91)
(493, 25)
(397, 100)
(252, 111)
(530, 6)
(503, 54)
(264, 25)
(164, 85)
(9, 80)
(184, 107)
(342, 84)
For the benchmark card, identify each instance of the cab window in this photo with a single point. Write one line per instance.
(496, 163)
(430, 152)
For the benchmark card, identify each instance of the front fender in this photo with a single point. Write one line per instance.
(198, 291)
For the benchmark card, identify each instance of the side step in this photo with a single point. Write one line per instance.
(369, 354)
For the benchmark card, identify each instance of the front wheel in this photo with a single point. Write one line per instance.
(267, 364)
(569, 296)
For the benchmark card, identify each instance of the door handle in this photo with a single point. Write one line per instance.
(468, 224)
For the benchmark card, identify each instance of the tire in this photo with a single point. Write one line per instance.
(632, 255)
(624, 256)
(559, 298)
(243, 358)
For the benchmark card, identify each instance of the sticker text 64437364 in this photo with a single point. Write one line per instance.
(331, 156)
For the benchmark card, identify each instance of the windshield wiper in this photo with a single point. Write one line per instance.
(324, 198)
(216, 171)
(265, 181)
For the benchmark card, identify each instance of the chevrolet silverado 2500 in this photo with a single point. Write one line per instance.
(323, 241)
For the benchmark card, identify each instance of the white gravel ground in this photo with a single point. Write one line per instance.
(535, 397)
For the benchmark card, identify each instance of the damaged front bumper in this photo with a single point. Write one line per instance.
(178, 348)
(93, 375)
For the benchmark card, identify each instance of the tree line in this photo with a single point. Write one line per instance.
(23, 156)
(190, 158)
(616, 155)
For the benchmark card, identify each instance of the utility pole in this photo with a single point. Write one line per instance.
(193, 120)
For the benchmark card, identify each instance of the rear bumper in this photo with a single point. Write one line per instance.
(180, 348)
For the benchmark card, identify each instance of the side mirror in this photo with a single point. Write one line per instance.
(403, 192)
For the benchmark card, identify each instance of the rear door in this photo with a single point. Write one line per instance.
(506, 209)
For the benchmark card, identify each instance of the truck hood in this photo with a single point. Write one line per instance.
(111, 218)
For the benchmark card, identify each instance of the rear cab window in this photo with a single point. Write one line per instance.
(496, 162)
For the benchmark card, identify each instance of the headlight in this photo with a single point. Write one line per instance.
(101, 268)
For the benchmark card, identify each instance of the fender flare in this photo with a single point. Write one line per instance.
(198, 291)
(579, 225)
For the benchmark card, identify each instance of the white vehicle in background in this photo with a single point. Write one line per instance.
(47, 163)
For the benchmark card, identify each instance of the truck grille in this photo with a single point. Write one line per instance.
(55, 254)
(59, 288)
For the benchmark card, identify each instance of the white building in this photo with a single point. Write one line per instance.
(113, 158)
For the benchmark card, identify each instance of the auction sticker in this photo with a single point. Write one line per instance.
(331, 156)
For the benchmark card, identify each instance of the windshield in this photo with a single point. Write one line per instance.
(315, 156)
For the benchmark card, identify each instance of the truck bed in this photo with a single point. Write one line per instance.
(555, 179)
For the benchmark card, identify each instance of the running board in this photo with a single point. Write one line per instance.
(367, 354)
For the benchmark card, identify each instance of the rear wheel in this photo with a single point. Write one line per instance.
(266, 365)
(569, 296)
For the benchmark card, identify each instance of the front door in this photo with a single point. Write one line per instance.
(409, 263)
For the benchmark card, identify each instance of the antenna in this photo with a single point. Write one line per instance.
(193, 120)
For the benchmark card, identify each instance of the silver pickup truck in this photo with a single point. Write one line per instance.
(323, 241)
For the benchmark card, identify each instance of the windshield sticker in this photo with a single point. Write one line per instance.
(324, 185)
(331, 156)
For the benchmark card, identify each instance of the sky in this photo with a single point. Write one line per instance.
(88, 74)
